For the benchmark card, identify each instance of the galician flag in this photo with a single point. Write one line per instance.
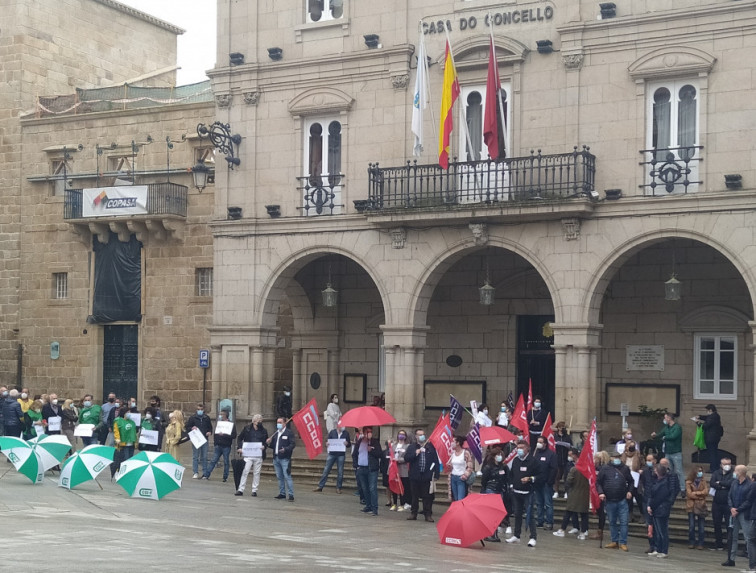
(420, 96)
(448, 97)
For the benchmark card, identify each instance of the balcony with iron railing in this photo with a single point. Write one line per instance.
(557, 185)
(165, 214)
(672, 170)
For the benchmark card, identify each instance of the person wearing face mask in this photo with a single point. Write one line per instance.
(174, 433)
(645, 487)
(333, 413)
(400, 448)
(578, 501)
(614, 485)
(105, 436)
(544, 486)
(494, 480)
(12, 414)
(125, 435)
(68, 425)
(283, 404)
(696, 489)
(563, 444)
(367, 456)
(282, 444)
(33, 423)
(149, 424)
(631, 457)
(721, 480)
(523, 478)
(90, 413)
(424, 467)
(503, 417)
(112, 415)
(536, 419)
(254, 432)
(159, 422)
(482, 417)
(659, 505)
(713, 431)
(222, 444)
(335, 456)
(25, 400)
(740, 500)
(671, 436)
(200, 421)
(53, 410)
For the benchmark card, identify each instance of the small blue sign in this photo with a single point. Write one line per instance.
(204, 358)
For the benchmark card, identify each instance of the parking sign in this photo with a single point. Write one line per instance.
(204, 358)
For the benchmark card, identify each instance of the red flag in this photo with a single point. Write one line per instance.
(449, 95)
(491, 118)
(395, 482)
(548, 434)
(586, 466)
(530, 394)
(511, 456)
(520, 418)
(441, 438)
(307, 422)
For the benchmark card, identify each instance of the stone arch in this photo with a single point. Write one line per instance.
(472, 52)
(422, 293)
(594, 294)
(280, 279)
(671, 60)
(320, 100)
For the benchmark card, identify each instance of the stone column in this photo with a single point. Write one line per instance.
(751, 449)
(405, 355)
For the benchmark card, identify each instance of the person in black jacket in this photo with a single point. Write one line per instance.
(283, 404)
(645, 489)
(12, 414)
(523, 478)
(659, 506)
(544, 488)
(721, 480)
(335, 457)
(495, 480)
(739, 500)
(282, 444)
(222, 444)
(423, 468)
(712, 429)
(200, 421)
(52, 410)
(254, 432)
(367, 456)
(615, 485)
(536, 419)
(563, 445)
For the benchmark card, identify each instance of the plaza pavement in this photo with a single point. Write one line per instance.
(204, 527)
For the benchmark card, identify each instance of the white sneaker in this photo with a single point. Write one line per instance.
(532, 543)
(508, 531)
(573, 531)
(195, 476)
(661, 555)
(582, 536)
(565, 495)
(513, 540)
(555, 496)
(407, 506)
(653, 554)
(400, 508)
(479, 473)
(558, 533)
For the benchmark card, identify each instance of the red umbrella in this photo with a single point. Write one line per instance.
(495, 435)
(367, 416)
(471, 519)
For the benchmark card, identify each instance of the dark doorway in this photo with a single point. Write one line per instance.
(535, 358)
(120, 361)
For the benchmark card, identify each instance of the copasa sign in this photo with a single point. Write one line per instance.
(114, 201)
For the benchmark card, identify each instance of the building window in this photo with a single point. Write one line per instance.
(60, 285)
(715, 364)
(473, 107)
(60, 170)
(673, 110)
(324, 10)
(322, 177)
(204, 281)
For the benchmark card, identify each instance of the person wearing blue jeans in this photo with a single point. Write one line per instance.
(367, 456)
(201, 422)
(335, 457)
(222, 443)
(614, 485)
(658, 506)
(282, 444)
(544, 485)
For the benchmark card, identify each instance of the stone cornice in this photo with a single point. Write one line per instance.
(142, 16)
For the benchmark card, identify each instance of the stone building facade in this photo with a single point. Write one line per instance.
(627, 159)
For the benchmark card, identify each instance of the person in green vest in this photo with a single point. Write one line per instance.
(33, 422)
(90, 413)
(671, 436)
(125, 435)
(149, 423)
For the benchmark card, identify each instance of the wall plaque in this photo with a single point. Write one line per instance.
(644, 357)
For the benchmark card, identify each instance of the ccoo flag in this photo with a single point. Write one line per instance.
(420, 97)
(586, 466)
(448, 97)
(307, 422)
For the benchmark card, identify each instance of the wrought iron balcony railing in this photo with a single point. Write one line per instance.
(162, 199)
(537, 177)
(321, 194)
(672, 170)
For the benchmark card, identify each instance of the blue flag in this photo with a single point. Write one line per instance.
(510, 402)
(473, 443)
(455, 412)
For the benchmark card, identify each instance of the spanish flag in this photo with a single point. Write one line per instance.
(448, 97)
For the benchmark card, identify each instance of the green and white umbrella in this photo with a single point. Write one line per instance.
(33, 458)
(150, 475)
(85, 465)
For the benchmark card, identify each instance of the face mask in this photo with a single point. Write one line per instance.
(87, 404)
(631, 449)
(55, 402)
(148, 417)
(200, 412)
(536, 404)
(666, 423)
(503, 410)
(335, 400)
(111, 400)
(521, 452)
(421, 439)
(485, 411)
(279, 426)
(24, 396)
(117, 404)
(287, 393)
(498, 459)
(539, 446)
(727, 467)
(699, 474)
(629, 437)
(133, 404)
(401, 438)
(650, 464)
(5, 394)
(616, 461)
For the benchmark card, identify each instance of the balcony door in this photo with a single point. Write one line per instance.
(120, 360)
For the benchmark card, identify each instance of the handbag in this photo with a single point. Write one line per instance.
(699, 508)
(699, 442)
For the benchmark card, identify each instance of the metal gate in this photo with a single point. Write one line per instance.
(120, 364)
(535, 358)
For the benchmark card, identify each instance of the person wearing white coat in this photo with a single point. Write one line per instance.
(332, 413)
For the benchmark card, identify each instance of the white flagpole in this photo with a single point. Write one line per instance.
(419, 99)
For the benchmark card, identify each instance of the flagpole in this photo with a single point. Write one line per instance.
(464, 115)
(498, 89)
(428, 92)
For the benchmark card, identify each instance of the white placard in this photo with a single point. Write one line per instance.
(111, 201)
(712, 492)
(84, 430)
(620, 447)
(197, 439)
(644, 357)
(252, 449)
(224, 428)
(39, 428)
(149, 437)
(53, 423)
(474, 407)
(135, 417)
(636, 477)
(336, 445)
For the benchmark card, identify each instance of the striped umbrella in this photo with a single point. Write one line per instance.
(33, 458)
(150, 475)
(85, 465)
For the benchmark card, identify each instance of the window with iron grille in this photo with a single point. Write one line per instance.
(60, 285)
(204, 281)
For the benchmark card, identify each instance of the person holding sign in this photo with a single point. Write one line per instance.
(148, 433)
(424, 467)
(52, 413)
(90, 413)
(282, 444)
(70, 418)
(253, 433)
(125, 435)
(200, 422)
(34, 424)
(225, 434)
(338, 442)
